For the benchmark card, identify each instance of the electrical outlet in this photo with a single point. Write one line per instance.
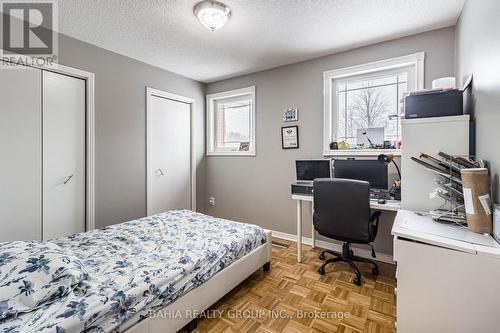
(211, 201)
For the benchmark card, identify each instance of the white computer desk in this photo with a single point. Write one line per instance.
(390, 205)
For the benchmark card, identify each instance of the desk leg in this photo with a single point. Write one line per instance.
(299, 230)
(313, 232)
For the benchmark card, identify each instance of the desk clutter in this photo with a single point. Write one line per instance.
(464, 185)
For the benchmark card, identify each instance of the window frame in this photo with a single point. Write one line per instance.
(330, 113)
(211, 100)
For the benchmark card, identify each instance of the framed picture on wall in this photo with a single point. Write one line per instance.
(290, 114)
(290, 137)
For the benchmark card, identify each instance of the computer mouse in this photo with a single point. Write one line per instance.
(381, 201)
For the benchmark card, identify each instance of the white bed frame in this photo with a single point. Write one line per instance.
(202, 297)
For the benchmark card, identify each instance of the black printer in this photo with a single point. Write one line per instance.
(440, 103)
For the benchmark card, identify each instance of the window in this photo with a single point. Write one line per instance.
(370, 103)
(231, 122)
(362, 103)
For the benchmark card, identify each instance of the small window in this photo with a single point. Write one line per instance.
(231, 122)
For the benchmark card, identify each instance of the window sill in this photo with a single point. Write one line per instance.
(362, 152)
(231, 153)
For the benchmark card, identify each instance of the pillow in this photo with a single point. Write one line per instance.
(35, 273)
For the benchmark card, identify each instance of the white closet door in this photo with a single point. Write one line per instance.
(20, 151)
(63, 155)
(170, 168)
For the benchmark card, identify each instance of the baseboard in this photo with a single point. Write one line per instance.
(383, 257)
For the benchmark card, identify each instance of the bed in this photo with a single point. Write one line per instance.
(114, 279)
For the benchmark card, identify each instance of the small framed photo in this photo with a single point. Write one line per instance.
(290, 114)
(290, 137)
(244, 146)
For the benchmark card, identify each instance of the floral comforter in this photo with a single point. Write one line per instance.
(137, 266)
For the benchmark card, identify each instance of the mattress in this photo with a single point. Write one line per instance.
(138, 266)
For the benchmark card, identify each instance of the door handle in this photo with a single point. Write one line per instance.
(160, 172)
(67, 179)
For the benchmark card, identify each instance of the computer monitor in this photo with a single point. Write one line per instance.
(312, 169)
(371, 171)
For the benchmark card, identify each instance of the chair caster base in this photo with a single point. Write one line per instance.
(321, 270)
(357, 281)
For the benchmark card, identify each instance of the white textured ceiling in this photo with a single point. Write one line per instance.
(261, 34)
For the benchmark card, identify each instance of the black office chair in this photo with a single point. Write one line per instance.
(342, 212)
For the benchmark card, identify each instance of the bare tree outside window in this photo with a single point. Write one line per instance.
(369, 109)
(369, 104)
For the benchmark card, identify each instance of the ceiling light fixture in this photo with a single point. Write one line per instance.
(212, 14)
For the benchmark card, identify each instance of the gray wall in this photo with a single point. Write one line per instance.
(120, 118)
(478, 53)
(257, 189)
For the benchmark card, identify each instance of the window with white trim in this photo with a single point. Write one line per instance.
(231, 122)
(362, 105)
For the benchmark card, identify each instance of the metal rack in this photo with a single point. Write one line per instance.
(447, 169)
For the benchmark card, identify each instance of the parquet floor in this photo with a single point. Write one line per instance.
(294, 298)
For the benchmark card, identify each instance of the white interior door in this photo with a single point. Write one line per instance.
(170, 155)
(63, 155)
(20, 151)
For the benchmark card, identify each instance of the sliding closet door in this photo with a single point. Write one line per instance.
(20, 154)
(63, 155)
(170, 168)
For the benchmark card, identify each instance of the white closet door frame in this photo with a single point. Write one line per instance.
(89, 135)
(150, 92)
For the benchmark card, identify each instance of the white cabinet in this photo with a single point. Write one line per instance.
(42, 142)
(446, 282)
(430, 136)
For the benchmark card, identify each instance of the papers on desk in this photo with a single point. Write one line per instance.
(423, 223)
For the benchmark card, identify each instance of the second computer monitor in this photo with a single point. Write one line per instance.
(309, 170)
(371, 171)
